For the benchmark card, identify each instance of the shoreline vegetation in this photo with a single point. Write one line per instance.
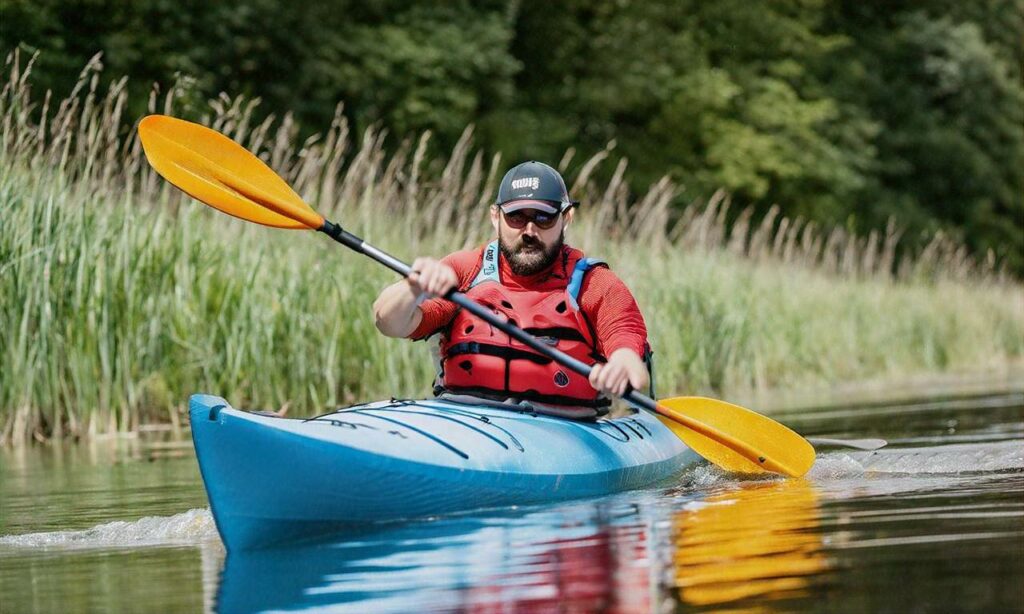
(119, 296)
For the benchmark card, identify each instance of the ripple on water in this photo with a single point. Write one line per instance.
(981, 457)
(977, 457)
(187, 528)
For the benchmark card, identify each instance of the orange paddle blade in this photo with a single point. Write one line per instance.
(212, 168)
(735, 438)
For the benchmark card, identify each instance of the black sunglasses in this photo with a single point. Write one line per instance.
(519, 219)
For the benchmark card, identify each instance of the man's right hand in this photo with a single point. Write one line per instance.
(396, 310)
(432, 277)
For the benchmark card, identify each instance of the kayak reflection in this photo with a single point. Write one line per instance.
(576, 560)
(762, 540)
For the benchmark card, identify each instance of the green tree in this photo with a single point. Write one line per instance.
(839, 111)
(951, 103)
(721, 94)
(427, 65)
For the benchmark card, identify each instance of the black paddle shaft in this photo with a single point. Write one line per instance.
(353, 242)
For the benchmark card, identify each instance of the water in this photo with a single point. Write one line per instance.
(932, 523)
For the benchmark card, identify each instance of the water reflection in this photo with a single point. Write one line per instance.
(581, 559)
(763, 540)
(754, 543)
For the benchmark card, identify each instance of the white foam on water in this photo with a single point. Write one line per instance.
(706, 475)
(836, 466)
(188, 528)
(982, 457)
(978, 457)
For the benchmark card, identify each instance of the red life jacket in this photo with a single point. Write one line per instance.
(478, 358)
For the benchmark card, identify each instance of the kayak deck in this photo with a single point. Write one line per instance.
(272, 479)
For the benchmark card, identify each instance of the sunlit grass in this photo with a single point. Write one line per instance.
(119, 297)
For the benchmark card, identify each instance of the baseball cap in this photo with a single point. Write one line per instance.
(533, 185)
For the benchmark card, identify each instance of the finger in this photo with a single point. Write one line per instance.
(636, 381)
(613, 380)
(610, 378)
(612, 372)
(415, 275)
(419, 264)
(448, 280)
(620, 387)
(430, 278)
(413, 280)
(425, 278)
(439, 283)
(451, 281)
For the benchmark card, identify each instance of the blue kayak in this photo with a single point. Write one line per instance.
(271, 479)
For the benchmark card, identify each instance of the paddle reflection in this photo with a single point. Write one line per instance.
(763, 540)
(536, 563)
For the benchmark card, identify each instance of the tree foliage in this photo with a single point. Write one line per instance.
(843, 112)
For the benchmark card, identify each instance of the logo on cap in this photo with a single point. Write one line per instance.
(526, 182)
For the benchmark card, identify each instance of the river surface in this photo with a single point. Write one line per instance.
(934, 522)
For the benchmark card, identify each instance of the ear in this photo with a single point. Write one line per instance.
(495, 218)
(568, 215)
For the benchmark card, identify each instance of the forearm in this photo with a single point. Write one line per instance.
(396, 312)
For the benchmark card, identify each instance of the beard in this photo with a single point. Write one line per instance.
(529, 256)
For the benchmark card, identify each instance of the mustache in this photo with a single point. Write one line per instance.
(528, 241)
(529, 255)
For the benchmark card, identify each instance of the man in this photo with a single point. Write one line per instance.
(529, 277)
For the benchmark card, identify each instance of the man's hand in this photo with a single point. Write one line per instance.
(432, 277)
(624, 367)
(396, 310)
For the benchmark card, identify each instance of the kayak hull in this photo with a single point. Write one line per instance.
(272, 479)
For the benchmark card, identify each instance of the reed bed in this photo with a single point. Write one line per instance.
(119, 296)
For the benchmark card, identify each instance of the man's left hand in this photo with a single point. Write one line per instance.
(624, 368)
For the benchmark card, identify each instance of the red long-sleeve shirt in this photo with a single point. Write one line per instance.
(604, 299)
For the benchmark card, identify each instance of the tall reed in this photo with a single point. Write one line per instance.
(119, 297)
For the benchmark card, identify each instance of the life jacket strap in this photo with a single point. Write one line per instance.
(557, 332)
(489, 268)
(489, 272)
(501, 351)
(576, 280)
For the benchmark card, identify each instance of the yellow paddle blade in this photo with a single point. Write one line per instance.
(736, 439)
(212, 168)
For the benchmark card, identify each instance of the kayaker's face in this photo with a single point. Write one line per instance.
(531, 248)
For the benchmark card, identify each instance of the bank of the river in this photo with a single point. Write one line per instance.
(118, 297)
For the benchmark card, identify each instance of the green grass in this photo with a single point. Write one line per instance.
(119, 297)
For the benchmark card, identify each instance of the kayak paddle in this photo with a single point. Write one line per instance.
(213, 169)
(869, 445)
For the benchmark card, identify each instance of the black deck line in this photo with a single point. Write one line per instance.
(455, 420)
(596, 426)
(636, 422)
(485, 419)
(626, 423)
(413, 429)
